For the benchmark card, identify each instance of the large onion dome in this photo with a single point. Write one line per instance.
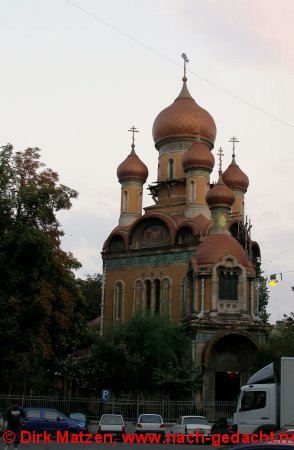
(132, 168)
(234, 177)
(220, 195)
(216, 246)
(182, 118)
(198, 156)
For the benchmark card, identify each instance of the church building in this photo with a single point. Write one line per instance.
(189, 256)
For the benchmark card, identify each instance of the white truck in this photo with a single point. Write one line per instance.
(266, 403)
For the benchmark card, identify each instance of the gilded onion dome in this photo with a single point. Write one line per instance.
(220, 195)
(234, 177)
(180, 119)
(198, 156)
(132, 168)
(216, 246)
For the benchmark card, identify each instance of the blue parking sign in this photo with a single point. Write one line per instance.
(106, 395)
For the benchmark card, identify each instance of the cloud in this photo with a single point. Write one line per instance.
(245, 32)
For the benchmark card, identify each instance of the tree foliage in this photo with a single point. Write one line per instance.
(279, 343)
(263, 296)
(146, 356)
(90, 289)
(41, 312)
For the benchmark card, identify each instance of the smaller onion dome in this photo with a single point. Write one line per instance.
(234, 177)
(198, 156)
(216, 246)
(220, 195)
(132, 168)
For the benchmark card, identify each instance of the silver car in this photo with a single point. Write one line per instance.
(192, 425)
(150, 423)
(112, 424)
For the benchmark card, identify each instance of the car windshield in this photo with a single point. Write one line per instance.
(111, 420)
(77, 416)
(150, 418)
(195, 420)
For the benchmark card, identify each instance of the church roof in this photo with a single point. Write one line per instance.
(132, 168)
(216, 246)
(234, 177)
(220, 195)
(182, 118)
(198, 156)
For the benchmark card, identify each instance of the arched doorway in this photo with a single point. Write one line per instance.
(228, 359)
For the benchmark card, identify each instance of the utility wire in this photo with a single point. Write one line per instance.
(151, 49)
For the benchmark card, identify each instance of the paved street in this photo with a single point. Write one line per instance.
(55, 446)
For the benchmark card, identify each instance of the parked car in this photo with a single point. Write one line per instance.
(80, 418)
(150, 423)
(285, 435)
(192, 425)
(2, 424)
(113, 424)
(225, 425)
(50, 420)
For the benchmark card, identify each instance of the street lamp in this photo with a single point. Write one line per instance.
(273, 280)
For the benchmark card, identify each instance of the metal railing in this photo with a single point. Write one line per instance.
(129, 409)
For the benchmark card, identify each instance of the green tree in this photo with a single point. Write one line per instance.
(146, 356)
(280, 343)
(263, 295)
(91, 291)
(41, 312)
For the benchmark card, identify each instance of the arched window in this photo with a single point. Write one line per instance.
(125, 201)
(118, 302)
(192, 192)
(227, 285)
(157, 296)
(138, 296)
(184, 297)
(147, 295)
(116, 244)
(166, 296)
(170, 171)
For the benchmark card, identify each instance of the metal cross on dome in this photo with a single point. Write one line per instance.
(234, 140)
(220, 154)
(186, 60)
(133, 130)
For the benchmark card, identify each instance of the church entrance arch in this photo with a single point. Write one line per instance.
(228, 358)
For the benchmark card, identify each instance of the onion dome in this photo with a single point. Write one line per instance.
(234, 177)
(132, 168)
(180, 120)
(220, 195)
(198, 156)
(216, 246)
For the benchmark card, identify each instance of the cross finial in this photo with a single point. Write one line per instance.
(234, 140)
(133, 130)
(186, 60)
(220, 155)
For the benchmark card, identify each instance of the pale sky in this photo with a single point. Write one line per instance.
(74, 79)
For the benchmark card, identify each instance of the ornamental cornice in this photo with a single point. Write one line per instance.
(177, 146)
(128, 183)
(132, 262)
(198, 172)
